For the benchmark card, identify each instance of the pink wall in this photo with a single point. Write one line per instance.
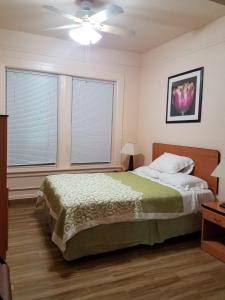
(144, 116)
(202, 48)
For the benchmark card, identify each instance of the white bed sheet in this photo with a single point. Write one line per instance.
(192, 201)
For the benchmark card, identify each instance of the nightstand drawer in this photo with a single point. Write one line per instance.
(214, 217)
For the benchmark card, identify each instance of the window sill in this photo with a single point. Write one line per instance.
(47, 170)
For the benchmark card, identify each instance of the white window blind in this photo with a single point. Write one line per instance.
(32, 110)
(92, 112)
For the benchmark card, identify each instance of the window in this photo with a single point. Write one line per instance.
(92, 112)
(32, 109)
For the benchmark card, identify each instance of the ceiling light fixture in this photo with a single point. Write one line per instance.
(85, 35)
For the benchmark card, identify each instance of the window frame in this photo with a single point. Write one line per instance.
(112, 120)
(66, 69)
(44, 165)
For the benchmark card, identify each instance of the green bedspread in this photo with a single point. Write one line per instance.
(81, 201)
(157, 198)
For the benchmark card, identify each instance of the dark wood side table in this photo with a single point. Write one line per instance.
(213, 229)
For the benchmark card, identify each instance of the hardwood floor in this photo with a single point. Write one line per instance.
(177, 269)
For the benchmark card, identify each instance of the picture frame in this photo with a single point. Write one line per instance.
(184, 97)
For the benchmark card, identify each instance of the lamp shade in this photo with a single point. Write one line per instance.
(220, 169)
(129, 149)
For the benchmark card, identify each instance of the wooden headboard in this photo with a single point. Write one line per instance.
(205, 160)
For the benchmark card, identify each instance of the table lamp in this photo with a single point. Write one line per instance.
(220, 173)
(130, 149)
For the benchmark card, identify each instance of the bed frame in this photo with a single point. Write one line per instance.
(205, 160)
(109, 237)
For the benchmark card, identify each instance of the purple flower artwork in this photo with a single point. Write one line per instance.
(184, 97)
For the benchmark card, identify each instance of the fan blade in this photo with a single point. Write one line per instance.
(64, 27)
(110, 11)
(62, 13)
(222, 2)
(115, 30)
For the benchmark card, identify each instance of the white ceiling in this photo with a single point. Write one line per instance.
(155, 21)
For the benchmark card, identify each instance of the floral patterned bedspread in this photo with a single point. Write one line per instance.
(81, 201)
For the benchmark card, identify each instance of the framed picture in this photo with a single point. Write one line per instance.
(184, 97)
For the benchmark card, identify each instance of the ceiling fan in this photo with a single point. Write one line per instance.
(87, 24)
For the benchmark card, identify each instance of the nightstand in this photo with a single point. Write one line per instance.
(213, 229)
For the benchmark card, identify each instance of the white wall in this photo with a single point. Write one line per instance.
(201, 48)
(28, 51)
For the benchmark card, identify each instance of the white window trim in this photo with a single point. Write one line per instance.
(64, 128)
(19, 71)
(88, 79)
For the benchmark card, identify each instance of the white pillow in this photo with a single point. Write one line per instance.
(171, 163)
(188, 169)
(146, 172)
(184, 181)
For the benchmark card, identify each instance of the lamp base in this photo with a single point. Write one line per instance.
(131, 163)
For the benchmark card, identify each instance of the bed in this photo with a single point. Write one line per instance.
(132, 219)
